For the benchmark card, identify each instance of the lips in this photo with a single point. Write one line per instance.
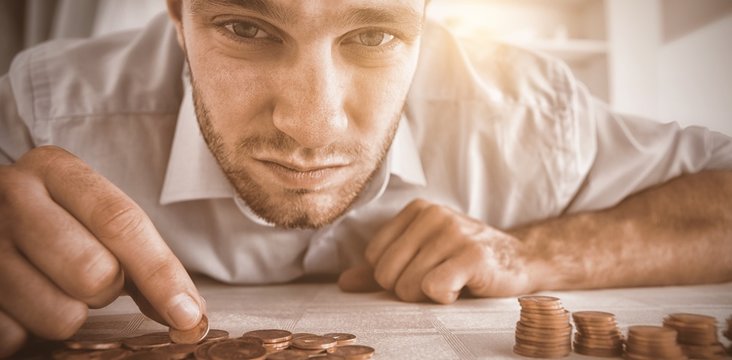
(304, 176)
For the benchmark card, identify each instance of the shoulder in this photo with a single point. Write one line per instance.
(135, 71)
(520, 117)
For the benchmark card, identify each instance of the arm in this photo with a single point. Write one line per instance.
(676, 233)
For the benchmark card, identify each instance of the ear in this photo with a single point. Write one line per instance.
(175, 11)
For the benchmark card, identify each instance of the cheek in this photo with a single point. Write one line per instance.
(234, 93)
(377, 97)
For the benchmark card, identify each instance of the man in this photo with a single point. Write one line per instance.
(331, 137)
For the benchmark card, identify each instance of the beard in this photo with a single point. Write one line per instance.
(292, 208)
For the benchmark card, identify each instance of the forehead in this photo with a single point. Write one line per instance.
(298, 11)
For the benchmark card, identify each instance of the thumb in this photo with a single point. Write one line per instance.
(359, 278)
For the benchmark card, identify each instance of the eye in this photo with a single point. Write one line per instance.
(246, 30)
(374, 38)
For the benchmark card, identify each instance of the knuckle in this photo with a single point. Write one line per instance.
(418, 204)
(408, 290)
(97, 275)
(383, 279)
(115, 218)
(436, 292)
(43, 154)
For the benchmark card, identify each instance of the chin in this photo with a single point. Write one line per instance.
(301, 210)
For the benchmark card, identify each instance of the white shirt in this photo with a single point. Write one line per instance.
(502, 134)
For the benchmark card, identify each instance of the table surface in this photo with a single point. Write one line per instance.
(467, 329)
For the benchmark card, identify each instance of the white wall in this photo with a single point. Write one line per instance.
(695, 77)
(634, 35)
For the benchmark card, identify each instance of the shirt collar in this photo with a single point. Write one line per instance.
(194, 174)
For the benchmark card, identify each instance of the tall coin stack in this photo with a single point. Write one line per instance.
(697, 335)
(544, 330)
(652, 343)
(728, 333)
(597, 334)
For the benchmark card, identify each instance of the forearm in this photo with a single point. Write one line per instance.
(676, 233)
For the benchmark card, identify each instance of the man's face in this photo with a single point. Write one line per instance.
(299, 100)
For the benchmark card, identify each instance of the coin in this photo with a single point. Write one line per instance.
(190, 336)
(177, 351)
(81, 344)
(289, 355)
(270, 336)
(354, 352)
(653, 342)
(236, 349)
(216, 334)
(147, 341)
(201, 352)
(342, 338)
(543, 329)
(314, 342)
(597, 334)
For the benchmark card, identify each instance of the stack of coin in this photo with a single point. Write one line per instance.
(597, 334)
(273, 339)
(697, 335)
(728, 333)
(544, 330)
(314, 344)
(652, 343)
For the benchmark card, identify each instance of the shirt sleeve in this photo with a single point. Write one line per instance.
(15, 139)
(633, 153)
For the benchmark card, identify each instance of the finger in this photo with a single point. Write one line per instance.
(443, 283)
(34, 302)
(393, 229)
(63, 249)
(409, 285)
(358, 279)
(123, 228)
(398, 255)
(142, 303)
(12, 335)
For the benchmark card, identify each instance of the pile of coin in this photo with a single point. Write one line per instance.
(269, 344)
(597, 334)
(728, 333)
(647, 342)
(544, 330)
(697, 335)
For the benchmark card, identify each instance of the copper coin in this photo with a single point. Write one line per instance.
(178, 351)
(354, 352)
(216, 334)
(147, 355)
(528, 352)
(147, 341)
(236, 349)
(653, 332)
(314, 342)
(92, 344)
(190, 336)
(270, 336)
(342, 338)
(201, 352)
(289, 355)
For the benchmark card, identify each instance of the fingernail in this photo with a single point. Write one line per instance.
(184, 312)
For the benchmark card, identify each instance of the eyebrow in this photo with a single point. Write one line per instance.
(404, 16)
(264, 7)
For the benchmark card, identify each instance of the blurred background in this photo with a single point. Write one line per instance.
(669, 60)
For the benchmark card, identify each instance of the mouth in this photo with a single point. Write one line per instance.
(311, 177)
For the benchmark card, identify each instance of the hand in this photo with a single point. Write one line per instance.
(430, 251)
(68, 239)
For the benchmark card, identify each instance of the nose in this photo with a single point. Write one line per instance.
(310, 102)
